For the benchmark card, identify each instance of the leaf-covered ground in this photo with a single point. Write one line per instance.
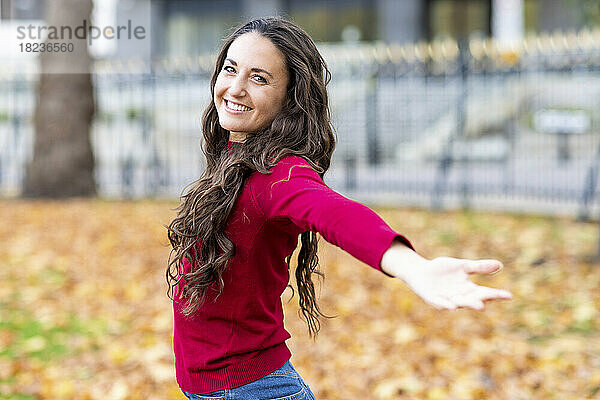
(84, 314)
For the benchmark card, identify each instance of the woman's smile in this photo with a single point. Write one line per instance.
(251, 87)
(236, 108)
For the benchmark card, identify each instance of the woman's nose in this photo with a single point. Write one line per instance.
(238, 86)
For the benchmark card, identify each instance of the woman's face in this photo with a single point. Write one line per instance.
(251, 87)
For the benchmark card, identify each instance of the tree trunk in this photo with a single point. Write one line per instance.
(63, 162)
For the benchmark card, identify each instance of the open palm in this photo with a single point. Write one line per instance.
(444, 283)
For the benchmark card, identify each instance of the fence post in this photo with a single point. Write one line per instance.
(371, 105)
(461, 118)
(596, 258)
(350, 162)
(591, 182)
(447, 158)
(127, 171)
(589, 189)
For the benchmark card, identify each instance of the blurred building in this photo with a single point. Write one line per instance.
(189, 27)
(196, 26)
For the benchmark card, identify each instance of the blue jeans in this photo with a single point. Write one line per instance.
(282, 384)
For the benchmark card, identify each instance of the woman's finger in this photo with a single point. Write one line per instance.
(441, 303)
(488, 293)
(468, 301)
(482, 266)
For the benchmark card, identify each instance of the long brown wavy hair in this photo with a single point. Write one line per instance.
(302, 128)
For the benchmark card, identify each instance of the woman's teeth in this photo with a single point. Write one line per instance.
(236, 107)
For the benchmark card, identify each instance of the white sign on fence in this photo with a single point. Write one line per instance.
(562, 121)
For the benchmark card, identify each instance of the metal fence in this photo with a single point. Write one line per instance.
(438, 124)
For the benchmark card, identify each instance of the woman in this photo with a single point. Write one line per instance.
(268, 140)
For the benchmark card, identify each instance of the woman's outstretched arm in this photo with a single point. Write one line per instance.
(443, 281)
(295, 192)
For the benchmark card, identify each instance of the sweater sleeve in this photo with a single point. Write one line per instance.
(295, 192)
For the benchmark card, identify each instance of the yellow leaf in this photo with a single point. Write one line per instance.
(437, 393)
(34, 344)
(405, 333)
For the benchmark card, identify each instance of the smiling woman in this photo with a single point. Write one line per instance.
(268, 141)
(251, 87)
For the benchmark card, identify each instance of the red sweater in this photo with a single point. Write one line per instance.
(241, 337)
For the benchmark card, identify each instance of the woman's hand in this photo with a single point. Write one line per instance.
(442, 282)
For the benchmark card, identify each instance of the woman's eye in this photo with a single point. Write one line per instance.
(229, 68)
(260, 79)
